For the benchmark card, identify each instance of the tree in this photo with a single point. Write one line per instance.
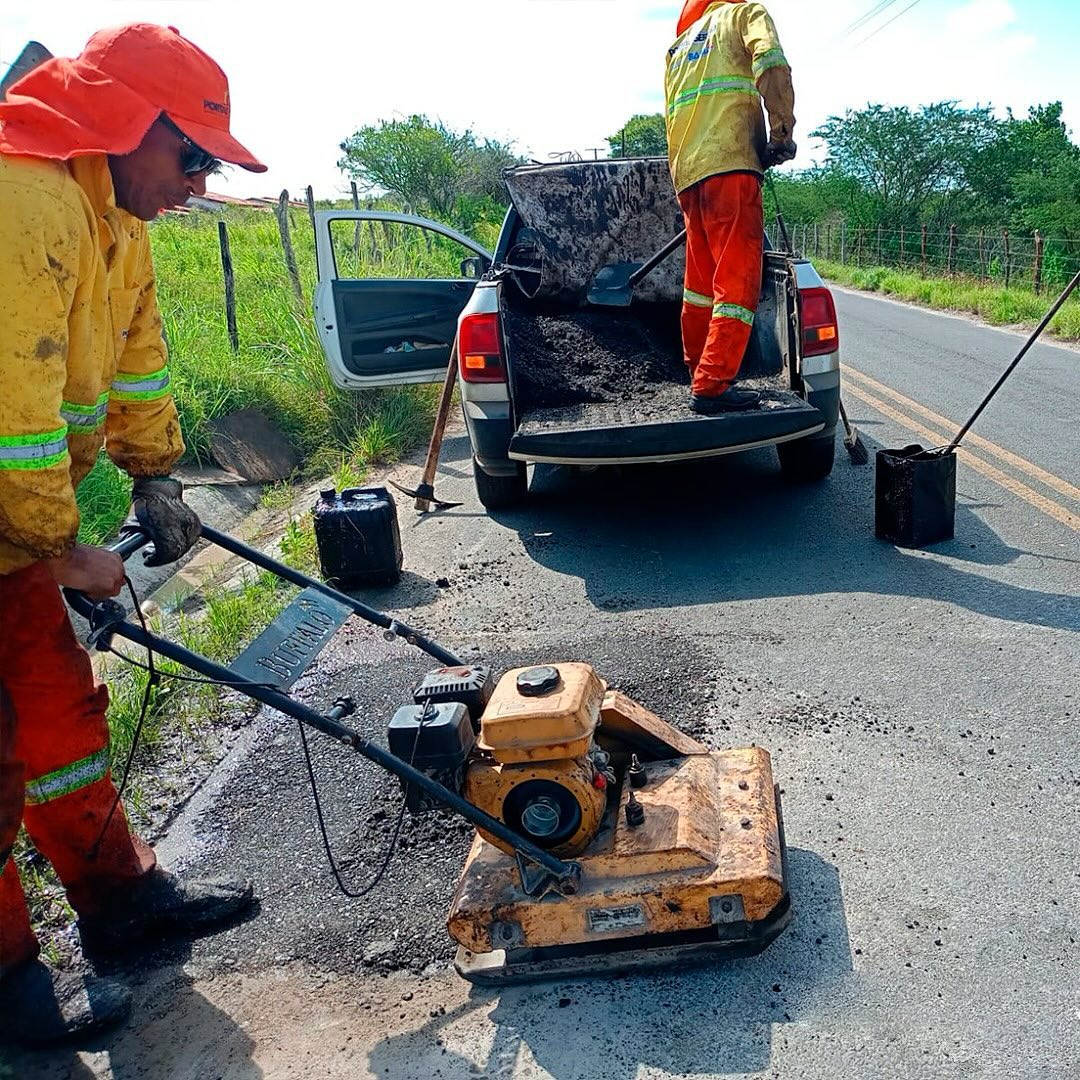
(1029, 177)
(482, 168)
(905, 159)
(429, 165)
(644, 135)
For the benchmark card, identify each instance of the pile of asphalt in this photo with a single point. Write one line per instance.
(593, 355)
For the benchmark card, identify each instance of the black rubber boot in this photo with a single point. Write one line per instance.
(41, 1006)
(164, 903)
(731, 400)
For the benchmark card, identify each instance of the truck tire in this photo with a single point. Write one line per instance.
(804, 461)
(501, 492)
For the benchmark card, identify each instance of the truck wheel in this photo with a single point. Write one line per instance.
(806, 460)
(501, 492)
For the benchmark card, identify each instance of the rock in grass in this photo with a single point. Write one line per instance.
(248, 444)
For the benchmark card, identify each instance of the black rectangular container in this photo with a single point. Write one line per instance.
(438, 744)
(914, 497)
(358, 537)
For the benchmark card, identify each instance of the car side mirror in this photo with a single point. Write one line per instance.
(474, 267)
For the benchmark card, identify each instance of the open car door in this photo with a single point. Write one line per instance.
(391, 287)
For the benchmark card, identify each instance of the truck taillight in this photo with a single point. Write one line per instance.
(480, 356)
(820, 333)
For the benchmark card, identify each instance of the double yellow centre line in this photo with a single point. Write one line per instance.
(889, 402)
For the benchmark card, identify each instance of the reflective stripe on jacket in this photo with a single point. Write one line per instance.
(82, 357)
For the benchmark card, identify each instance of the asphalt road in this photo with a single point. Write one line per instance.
(921, 707)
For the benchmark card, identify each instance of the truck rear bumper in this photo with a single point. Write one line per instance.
(608, 434)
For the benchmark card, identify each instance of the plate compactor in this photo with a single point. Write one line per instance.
(606, 839)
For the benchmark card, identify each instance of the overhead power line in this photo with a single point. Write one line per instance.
(874, 33)
(862, 20)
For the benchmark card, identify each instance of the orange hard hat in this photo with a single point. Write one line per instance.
(694, 9)
(105, 100)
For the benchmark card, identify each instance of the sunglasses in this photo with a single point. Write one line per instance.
(195, 159)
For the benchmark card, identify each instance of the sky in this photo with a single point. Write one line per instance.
(559, 75)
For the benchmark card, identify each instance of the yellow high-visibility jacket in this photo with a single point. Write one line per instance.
(82, 357)
(718, 70)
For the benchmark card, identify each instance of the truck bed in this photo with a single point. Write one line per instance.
(596, 385)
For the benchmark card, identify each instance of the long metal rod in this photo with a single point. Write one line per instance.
(1020, 356)
(564, 872)
(369, 614)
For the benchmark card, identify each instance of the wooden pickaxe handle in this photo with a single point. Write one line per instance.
(427, 480)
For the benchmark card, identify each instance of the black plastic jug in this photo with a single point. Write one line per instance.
(358, 537)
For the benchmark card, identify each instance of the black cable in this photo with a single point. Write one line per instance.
(151, 682)
(391, 849)
(154, 679)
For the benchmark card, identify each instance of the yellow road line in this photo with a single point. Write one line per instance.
(936, 438)
(1063, 487)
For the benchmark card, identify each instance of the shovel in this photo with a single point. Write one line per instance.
(614, 285)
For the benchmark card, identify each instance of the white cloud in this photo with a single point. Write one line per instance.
(982, 18)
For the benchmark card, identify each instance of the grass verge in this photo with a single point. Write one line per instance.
(996, 305)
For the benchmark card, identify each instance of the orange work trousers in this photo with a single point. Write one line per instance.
(54, 762)
(724, 229)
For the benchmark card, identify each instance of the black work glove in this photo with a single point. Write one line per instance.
(776, 153)
(158, 502)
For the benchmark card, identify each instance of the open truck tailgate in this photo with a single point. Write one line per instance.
(663, 429)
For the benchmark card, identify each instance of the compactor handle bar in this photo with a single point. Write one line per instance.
(108, 618)
(135, 538)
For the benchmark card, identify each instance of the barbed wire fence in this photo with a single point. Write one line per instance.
(992, 256)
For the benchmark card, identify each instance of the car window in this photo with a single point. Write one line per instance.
(390, 249)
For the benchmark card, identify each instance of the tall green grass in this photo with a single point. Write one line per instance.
(996, 305)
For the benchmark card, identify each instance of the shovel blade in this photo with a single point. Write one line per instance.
(611, 286)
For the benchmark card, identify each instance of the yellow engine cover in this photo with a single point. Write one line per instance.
(504, 791)
(516, 728)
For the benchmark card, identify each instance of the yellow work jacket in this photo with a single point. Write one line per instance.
(82, 357)
(714, 69)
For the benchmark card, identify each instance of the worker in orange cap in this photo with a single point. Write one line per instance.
(91, 149)
(725, 61)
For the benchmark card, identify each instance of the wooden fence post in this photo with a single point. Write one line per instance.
(879, 245)
(1038, 271)
(1008, 260)
(924, 251)
(858, 248)
(951, 257)
(282, 215)
(902, 238)
(356, 231)
(376, 253)
(828, 240)
(311, 209)
(817, 247)
(843, 242)
(230, 286)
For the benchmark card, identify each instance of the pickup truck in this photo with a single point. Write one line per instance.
(546, 377)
